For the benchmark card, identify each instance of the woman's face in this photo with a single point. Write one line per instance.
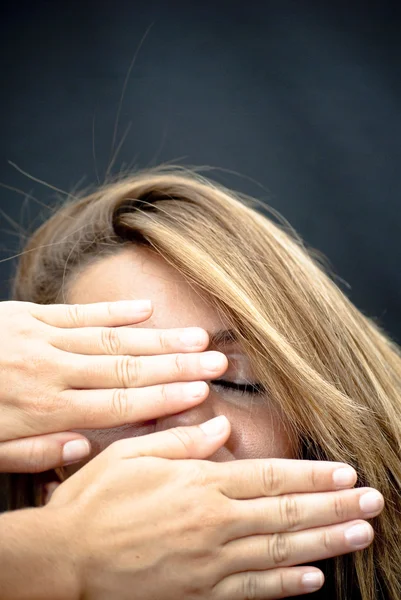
(136, 273)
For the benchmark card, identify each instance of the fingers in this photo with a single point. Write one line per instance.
(97, 372)
(276, 476)
(129, 341)
(100, 409)
(198, 441)
(262, 552)
(304, 511)
(109, 314)
(42, 452)
(278, 583)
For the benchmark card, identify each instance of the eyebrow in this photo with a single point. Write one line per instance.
(222, 337)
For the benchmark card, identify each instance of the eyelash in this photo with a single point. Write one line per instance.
(252, 389)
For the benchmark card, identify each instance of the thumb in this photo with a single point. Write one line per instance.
(42, 452)
(197, 441)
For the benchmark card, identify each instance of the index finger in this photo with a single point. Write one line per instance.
(253, 478)
(97, 314)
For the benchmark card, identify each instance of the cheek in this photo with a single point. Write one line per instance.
(257, 432)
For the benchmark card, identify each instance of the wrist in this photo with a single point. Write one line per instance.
(35, 556)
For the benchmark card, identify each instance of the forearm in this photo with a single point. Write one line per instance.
(34, 560)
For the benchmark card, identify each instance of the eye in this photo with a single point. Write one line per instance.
(252, 389)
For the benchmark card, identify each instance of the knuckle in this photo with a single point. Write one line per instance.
(228, 517)
(184, 437)
(33, 378)
(109, 306)
(75, 314)
(17, 362)
(43, 362)
(290, 516)
(271, 478)
(120, 404)
(325, 541)
(128, 371)
(281, 583)
(197, 473)
(314, 478)
(250, 588)
(340, 507)
(164, 394)
(26, 326)
(110, 340)
(203, 474)
(164, 341)
(45, 406)
(179, 365)
(279, 548)
(206, 516)
(36, 456)
(39, 401)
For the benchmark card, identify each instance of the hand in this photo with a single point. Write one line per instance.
(139, 521)
(54, 376)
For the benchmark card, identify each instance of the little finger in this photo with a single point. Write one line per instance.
(269, 585)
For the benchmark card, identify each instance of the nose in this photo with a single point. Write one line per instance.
(195, 416)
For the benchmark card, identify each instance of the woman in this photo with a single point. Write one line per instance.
(311, 377)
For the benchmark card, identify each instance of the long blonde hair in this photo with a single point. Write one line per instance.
(333, 372)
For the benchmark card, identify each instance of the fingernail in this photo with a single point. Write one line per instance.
(371, 502)
(312, 581)
(212, 361)
(74, 451)
(197, 389)
(193, 337)
(215, 426)
(359, 536)
(344, 477)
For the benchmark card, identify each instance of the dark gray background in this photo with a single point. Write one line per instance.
(302, 97)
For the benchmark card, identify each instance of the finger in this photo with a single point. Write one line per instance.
(98, 314)
(252, 478)
(261, 552)
(42, 452)
(197, 441)
(97, 372)
(101, 409)
(48, 490)
(128, 341)
(269, 585)
(293, 512)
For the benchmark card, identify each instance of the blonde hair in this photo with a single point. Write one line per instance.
(333, 372)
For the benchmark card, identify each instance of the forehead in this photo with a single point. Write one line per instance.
(137, 273)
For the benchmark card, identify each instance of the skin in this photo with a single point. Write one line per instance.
(242, 536)
(258, 430)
